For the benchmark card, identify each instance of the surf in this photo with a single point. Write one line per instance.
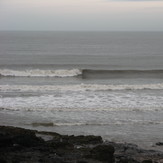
(40, 73)
(83, 73)
(78, 87)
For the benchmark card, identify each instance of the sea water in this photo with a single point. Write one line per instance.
(101, 83)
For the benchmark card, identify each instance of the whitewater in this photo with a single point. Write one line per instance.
(40, 73)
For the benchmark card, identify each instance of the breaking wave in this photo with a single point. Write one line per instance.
(79, 87)
(85, 73)
(40, 73)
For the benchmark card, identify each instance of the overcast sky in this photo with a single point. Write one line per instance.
(111, 15)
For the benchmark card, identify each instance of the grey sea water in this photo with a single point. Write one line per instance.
(102, 83)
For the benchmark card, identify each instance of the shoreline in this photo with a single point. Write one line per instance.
(25, 145)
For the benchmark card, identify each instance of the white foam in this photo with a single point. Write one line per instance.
(84, 101)
(41, 73)
(77, 87)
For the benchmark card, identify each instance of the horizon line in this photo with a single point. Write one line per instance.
(81, 30)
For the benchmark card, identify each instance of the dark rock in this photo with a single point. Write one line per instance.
(103, 153)
(27, 140)
(82, 162)
(6, 141)
(2, 160)
(43, 124)
(126, 160)
(22, 145)
(59, 144)
(122, 160)
(49, 133)
(11, 136)
(83, 139)
(147, 161)
(159, 143)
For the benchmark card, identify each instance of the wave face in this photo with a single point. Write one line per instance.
(40, 73)
(102, 74)
(85, 73)
(79, 87)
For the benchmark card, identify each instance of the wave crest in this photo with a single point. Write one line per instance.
(85, 73)
(40, 73)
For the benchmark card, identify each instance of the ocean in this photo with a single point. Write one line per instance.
(100, 83)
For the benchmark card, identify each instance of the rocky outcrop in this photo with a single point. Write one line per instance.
(159, 143)
(10, 137)
(103, 153)
(19, 145)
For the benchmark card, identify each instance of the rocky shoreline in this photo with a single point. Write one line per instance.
(18, 145)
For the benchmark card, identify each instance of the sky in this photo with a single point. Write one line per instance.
(81, 15)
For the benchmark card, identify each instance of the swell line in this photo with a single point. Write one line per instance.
(89, 73)
(79, 87)
(85, 73)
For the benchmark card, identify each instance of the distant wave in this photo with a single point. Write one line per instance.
(40, 73)
(85, 73)
(68, 109)
(79, 87)
(51, 124)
